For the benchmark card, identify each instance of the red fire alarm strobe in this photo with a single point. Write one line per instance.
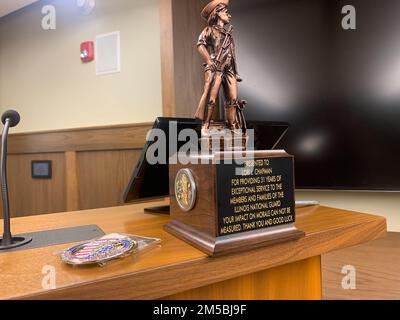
(87, 51)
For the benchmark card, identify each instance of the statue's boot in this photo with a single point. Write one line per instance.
(210, 111)
(231, 115)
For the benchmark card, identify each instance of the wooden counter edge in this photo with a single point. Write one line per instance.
(161, 282)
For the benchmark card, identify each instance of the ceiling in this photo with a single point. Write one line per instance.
(8, 6)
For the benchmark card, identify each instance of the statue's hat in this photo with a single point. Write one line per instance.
(208, 9)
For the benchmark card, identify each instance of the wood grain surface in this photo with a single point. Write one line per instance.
(103, 177)
(377, 270)
(35, 196)
(174, 266)
(182, 68)
(299, 280)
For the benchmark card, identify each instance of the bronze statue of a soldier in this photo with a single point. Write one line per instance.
(216, 46)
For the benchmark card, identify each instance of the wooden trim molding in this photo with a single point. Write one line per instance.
(119, 137)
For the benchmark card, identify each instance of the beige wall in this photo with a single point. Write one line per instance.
(386, 204)
(42, 77)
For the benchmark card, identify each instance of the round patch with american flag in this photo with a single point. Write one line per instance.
(98, 251)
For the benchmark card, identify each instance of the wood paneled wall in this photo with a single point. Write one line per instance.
(91, 168)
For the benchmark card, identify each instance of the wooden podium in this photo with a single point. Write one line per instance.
(176, 270)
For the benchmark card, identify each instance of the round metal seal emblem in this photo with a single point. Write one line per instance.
(98, 251)
(185, 189)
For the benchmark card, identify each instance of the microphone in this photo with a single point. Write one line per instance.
(12, 116)
(10, 119)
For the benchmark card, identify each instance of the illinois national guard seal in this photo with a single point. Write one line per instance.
(185, 189)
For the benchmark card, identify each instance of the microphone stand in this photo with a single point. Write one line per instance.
(8, 241)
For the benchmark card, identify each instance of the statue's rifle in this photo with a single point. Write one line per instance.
(242, 104)
(225, 45)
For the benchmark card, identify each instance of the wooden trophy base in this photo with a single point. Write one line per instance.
(222, 207)
(215, 246)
